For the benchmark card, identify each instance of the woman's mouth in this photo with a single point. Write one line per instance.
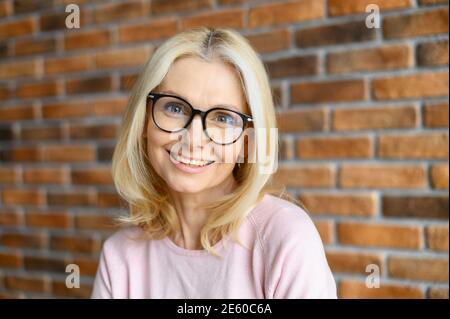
(189, 162)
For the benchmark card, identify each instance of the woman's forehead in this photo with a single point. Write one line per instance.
(203, 82)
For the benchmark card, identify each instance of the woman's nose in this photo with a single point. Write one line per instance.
(197, 136)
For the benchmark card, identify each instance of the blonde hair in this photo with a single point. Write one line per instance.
(136, 180)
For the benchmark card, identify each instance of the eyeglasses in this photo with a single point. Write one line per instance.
(172, 114)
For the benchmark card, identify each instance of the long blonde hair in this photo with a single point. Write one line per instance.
(136, 180)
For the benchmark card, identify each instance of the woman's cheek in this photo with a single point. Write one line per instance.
(228, 154)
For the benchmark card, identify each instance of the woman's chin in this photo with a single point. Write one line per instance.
(180, 188)
(186, 185)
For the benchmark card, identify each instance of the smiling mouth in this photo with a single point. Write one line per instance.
(189, 161)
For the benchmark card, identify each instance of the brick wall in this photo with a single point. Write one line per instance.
(363, 114)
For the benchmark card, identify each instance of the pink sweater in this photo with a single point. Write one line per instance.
(284, 259)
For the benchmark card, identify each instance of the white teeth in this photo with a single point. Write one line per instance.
(188, 161)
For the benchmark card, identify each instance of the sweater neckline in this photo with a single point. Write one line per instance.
(218, 247)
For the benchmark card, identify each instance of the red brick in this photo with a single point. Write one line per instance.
(437, 237)
(10, 260)
(339, 7)
(6, 8)
(330, 91)
(439, 176)
(11, 70)
(34, 46)
(20, 240)
(108, 106)
(125, 11)
(380, 235)
(91, 222)
(300, 120)
(74, 63)
(10, 217)
(26, 284)
(23, 197)
(45, 132)
(230, 2)
(353, 263)
(147, 31)
(382, 176)
(293, 66)
(17, 112)
(88, 267)
(306, 176)
(432, 53)
(339, 204)
(436, 115)
(104, 153)
(72, 198)
(95, 176)
(425, 145)
(437, 293)
(57, 20)
(288, 12)
(74, 244)
(38, 89)
(420, 206)
(334, 147)
(352, 289)
(18, 27)
(271, 41)
(23, 154)
(416, 24)
(171, 6)
(60, 289)
(110, 199)
(380, 58)
(373, 118)
(87, 39)
(427, 269)
(431, 2)
(67, 109)
(68, 153)
(233, 18)
(334, 34)
(26, 6)
(122, 57)
(47, 219)
(91, 131)
(43, 263)
(411, 86)
(46, 175)
(5, 92)
(9, 175)
(89, 85)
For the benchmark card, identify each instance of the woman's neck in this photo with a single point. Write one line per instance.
(192, 216)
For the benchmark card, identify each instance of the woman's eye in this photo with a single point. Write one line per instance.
(224, 119)
(173, 108)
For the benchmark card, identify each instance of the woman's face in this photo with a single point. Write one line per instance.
(189, 161)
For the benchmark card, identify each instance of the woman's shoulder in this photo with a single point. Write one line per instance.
(123, 240)
(279, 220)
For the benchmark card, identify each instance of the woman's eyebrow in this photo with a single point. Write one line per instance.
(218, 105)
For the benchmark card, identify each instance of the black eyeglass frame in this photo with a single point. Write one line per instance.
(154, 97)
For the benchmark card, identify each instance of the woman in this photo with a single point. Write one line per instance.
(194, 161)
